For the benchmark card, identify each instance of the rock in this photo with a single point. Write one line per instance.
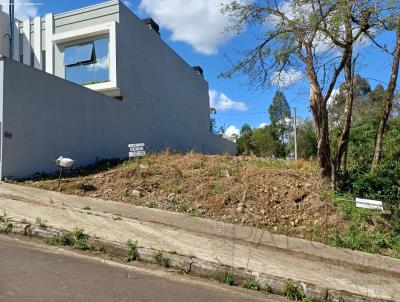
(262, 212)
(240, 209)
(308, 185)
(136, 193)
(172, 196)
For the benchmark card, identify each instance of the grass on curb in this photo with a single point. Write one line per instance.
(162, 260)
(131, 254)
(293, 293)
(251, 284)
(226, 278)
(367, 230)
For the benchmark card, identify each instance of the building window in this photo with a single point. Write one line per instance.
(88, 63)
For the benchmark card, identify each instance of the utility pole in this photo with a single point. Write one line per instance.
(12, 24)
(295, 134)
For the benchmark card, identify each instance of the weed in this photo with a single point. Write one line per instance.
(131, 254)
(251, 284)
(64, 239)
(193, 213)
(183, 207)
(162, 260)
(42, 224)
(226, 279)
(293, 293)
(80, 240)
(151, 205)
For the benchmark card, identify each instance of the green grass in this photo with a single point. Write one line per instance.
(366, 229)
(131, 253)
(251, 284)
(42, 224)
(226, 278)
(162, 260)
(293, 293)
(64, 239)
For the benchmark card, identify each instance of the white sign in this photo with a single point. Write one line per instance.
(136, 150)
(369, 204)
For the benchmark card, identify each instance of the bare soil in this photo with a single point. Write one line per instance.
(281, 196)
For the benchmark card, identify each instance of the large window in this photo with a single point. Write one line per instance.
(88, 63)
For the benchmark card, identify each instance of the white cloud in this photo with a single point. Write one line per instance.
(262, 125)
(334, 93)
(221, 102)
(286, 78)
(23, 9)
(232, 133)
(199, 23)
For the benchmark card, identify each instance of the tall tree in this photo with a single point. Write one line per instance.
(389, 96)
(244, 142)
(296, 39)
(279, 114)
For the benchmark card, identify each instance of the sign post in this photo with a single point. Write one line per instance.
(137, 151)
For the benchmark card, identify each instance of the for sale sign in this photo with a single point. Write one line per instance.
(136, 150)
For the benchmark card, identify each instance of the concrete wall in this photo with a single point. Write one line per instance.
(151, 75)
(4, 30)
(43, 117)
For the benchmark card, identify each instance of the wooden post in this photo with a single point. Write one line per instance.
(138, 166)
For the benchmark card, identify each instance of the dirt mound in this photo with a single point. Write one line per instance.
(281, 196)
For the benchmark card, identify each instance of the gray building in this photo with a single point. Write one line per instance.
(86, 83)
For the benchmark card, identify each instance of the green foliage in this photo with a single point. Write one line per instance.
(42, 224)
(366, 229)
(244, 143)
(64, 240)
(382, 184)
(251, 284)
(306, 140)
(162, 260)
(226, 279)
(266, 142)
(131, 253)
(293, 293)
(5, 224)
(279, 110)
(80, 240)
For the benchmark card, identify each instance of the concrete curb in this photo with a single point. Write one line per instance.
(192, 265)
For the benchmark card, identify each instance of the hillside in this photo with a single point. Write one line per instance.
(284, 197)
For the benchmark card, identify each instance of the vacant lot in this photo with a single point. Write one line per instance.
(284, 197)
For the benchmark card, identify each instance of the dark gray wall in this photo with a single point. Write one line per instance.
(44, 116)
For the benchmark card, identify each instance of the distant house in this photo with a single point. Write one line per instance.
(88, 82)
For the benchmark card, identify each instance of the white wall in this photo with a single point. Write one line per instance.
(45, 116)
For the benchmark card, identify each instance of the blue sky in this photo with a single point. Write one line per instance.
(195, 30)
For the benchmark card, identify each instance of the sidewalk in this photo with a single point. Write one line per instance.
(342, 273)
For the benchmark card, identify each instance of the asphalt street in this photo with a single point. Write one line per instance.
(30, 271)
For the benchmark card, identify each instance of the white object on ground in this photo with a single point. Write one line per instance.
(369, 204)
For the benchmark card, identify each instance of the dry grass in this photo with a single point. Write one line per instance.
(281, 196)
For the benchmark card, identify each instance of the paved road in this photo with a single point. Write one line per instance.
(34, 272)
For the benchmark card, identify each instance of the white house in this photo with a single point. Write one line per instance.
(88, 82)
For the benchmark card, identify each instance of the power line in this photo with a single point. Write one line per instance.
(242, 113)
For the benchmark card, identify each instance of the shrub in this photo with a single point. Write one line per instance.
(382, 184)
(132, 251)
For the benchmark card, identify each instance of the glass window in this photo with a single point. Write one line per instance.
(85, 53)
(71, 55)
(88, 63)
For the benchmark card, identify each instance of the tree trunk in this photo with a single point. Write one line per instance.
(320, 116)
(388, 103)
(339, 157)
